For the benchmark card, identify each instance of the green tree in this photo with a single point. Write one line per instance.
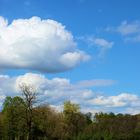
(13, 117)
(75, 120)
(71, 108)
(1, 126)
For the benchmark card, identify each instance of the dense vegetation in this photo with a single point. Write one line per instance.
(21, 120)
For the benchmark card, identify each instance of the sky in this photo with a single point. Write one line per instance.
(86, 51)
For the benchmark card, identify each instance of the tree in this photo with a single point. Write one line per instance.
(71, 107)
(13, 117)
(75, 120)
(1, 126)
(29, 96)
(46, 121)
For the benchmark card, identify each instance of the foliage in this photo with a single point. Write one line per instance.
(71, 124)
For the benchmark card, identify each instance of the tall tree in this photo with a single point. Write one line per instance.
(29, 96)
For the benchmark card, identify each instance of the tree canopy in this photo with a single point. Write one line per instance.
(21, 120)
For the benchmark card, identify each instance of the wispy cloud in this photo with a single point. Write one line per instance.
(100, 43)
(129, 30)
(126, 28)
(95, 83)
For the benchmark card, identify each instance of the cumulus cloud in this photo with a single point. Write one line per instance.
(121, 100)
(54, 91)
(57, 90)
(43, 45)
(60, 89)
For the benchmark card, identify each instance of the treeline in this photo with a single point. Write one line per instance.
(20, 119)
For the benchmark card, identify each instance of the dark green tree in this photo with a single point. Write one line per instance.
(13, 118)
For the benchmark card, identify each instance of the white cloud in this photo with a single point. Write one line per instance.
(54, 91)
(102, 44)
(132, 110)
(126, 28)
(129, 30)
(2, 97)
(43, 45)
(57, 90)
(121, 100)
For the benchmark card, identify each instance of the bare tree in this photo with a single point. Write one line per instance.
(29, 96)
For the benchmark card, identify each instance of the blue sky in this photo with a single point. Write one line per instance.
(107, 32)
